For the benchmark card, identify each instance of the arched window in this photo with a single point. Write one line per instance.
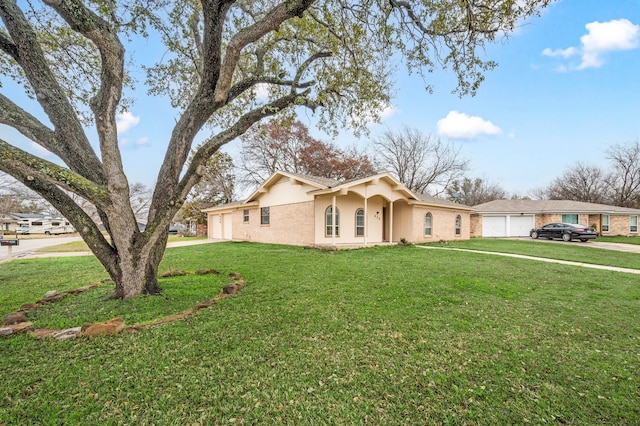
(360, 223)
(458, 224)
(328, 222)
(428, 224)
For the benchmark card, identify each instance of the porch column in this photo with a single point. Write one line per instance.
(333, 220)
(366, 217)
(391, 222)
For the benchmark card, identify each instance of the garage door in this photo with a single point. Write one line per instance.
(494, 226)
(226, 226)
(519, 226)
(507, 226)
(216, 226)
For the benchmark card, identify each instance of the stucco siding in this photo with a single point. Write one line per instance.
(347, 205)
(286, 192)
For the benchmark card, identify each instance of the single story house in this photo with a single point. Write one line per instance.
(515, 218)
(8, 222)
(296, 209)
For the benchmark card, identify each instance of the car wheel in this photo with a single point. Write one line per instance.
(566, 237)
(47, 233)
(534, 235)
(584, 240)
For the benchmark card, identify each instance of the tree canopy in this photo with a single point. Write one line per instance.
(286, 145)
(225, 65)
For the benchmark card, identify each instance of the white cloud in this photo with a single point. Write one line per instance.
(604, 37)
(565, 53)
(601, 38)
(368, 116)
(125, 121)
(137, 143)
(462, 126)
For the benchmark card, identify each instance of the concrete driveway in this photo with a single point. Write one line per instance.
(630, 248)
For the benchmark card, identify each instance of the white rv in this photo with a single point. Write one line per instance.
(40, 224)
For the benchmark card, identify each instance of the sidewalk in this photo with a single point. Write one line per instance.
(542, 259)
(36, 255)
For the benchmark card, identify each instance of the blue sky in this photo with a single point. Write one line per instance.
(565, 89)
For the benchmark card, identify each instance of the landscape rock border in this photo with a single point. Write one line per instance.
(15, 322)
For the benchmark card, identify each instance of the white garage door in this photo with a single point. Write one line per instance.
(216, 226)
(494, 226)
(226, 226)
(519, 226)
(507, 226)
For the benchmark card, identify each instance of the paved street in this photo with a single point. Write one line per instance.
(26, 246)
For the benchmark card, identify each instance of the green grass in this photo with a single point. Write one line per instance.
(620, 239)
(574, 251)
(394, 335)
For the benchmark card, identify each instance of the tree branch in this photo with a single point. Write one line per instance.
(29, 56)
(28, 168)
(105, 102)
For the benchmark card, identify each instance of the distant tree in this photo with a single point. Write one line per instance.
(579, 183)
(286, 145)
(624, 179)
(472, 192)
(216, 187)
(420, 162)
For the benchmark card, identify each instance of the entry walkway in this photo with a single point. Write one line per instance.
(541, 259)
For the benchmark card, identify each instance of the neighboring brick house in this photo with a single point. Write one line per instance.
(515, 218)
(305, 210)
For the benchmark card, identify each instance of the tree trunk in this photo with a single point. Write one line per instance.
(136, 271)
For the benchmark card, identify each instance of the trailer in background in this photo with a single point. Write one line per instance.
(41, 224)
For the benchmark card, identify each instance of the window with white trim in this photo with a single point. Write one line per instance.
(633, 223)
(428, 224)
(570, 218)
(245, 215)
(360, 223)
(605, 223)
(328, 222)
(458, 225)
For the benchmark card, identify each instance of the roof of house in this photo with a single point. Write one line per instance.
(441, 202)
(35, 216)
(326, 186)
(548, 206)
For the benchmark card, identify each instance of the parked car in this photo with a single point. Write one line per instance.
(178, 228)
(566, 231)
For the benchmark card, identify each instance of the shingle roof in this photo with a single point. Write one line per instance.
(549, 206)
(439, 201)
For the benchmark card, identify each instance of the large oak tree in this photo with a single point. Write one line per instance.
(331, 56)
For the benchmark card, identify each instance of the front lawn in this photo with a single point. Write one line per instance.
(619, 239)
(393, 335)
(575, 251)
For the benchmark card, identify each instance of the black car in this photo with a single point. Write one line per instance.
(566, 231)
